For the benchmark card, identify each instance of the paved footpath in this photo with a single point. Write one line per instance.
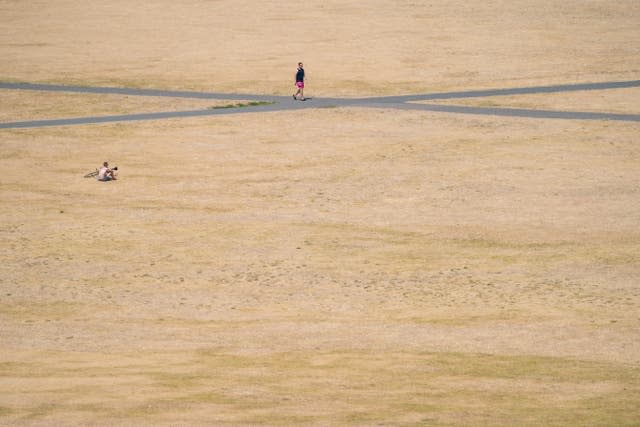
(280, 103)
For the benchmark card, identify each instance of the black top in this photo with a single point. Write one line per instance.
(300, 75)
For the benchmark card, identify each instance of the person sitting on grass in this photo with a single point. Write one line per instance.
(106, 174)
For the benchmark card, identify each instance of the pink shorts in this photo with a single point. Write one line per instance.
(300, 85)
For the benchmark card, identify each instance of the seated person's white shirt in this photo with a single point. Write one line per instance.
(102, 172)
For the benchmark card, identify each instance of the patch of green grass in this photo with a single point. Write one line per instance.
(242, 105)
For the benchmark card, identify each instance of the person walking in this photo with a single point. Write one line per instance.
(299, 83)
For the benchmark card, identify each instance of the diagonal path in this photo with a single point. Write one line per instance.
(509, 91)
(280, 103)
(510, 112)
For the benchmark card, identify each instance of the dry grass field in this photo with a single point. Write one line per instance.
(334, 266)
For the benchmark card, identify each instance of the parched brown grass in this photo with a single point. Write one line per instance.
(349, 48)
(338, 266)
(345, 387)
(40, 105)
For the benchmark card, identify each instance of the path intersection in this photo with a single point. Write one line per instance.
(280, 103)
